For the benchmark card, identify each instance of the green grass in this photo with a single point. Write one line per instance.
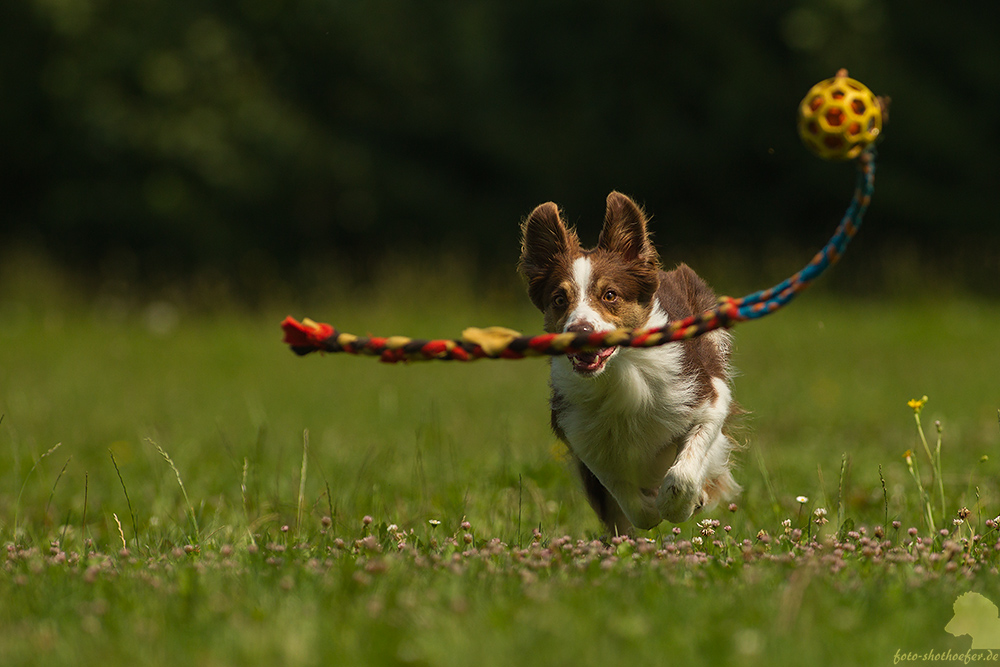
(244, 547)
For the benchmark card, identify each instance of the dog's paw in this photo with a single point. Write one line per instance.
(680, 497)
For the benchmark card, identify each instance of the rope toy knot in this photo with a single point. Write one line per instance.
(306, 336)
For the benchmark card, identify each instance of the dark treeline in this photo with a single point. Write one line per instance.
(205, 132)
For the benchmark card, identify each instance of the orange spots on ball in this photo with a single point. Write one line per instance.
(839, 118)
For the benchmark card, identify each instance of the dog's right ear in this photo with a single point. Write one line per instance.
(544, 240)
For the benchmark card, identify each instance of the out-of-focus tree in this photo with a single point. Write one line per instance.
(191, 132)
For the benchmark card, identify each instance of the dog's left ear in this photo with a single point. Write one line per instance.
(624, 231)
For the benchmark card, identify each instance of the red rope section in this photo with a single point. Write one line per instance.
(308, 336)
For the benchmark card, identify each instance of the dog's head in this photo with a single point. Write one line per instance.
(610, 286)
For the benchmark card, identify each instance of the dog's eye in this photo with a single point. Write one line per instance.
(610, 296)
(559, 300)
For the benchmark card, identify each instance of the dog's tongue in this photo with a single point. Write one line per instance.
(590, 361)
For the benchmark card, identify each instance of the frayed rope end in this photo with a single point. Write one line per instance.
(305, 336)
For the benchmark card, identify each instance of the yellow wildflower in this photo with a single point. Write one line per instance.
(917, 404)
(560, 452)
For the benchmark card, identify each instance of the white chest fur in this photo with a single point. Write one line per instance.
(626, 423)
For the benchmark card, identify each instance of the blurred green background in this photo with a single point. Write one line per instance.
(257, 140)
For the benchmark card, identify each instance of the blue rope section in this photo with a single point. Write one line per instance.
(760, 303)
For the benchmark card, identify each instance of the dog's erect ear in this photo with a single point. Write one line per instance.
(544, 239)
(624, 230)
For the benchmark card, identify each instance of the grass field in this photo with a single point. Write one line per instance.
(215, 500)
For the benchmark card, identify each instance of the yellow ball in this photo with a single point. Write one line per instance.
(839, 118)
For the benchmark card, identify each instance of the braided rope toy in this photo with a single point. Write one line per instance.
(838, 119)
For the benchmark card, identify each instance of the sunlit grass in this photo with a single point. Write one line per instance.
(427, 516)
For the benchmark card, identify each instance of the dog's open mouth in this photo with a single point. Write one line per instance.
(588, 363)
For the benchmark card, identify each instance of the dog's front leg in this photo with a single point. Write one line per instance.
(705, 450)
(682, 492)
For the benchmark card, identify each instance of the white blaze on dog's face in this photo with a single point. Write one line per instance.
(607, 287)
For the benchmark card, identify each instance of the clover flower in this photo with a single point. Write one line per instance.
(708, 526)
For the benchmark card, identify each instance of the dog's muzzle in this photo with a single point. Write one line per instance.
(588, 363)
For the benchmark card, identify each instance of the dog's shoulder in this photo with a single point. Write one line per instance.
(683, 293)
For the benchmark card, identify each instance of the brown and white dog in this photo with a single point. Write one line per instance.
(644, 425)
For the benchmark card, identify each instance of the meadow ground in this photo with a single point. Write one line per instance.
(214, 499)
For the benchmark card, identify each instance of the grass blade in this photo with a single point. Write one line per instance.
(55, 484)
(180, 482)
(840, 491)
(121, 533)
(243, 493)
(885, 500)
(83, 523)
(17, 505)
(775, 505)
(128, 500)
(302, 484)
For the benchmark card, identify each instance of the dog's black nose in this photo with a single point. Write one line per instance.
(581, 326)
